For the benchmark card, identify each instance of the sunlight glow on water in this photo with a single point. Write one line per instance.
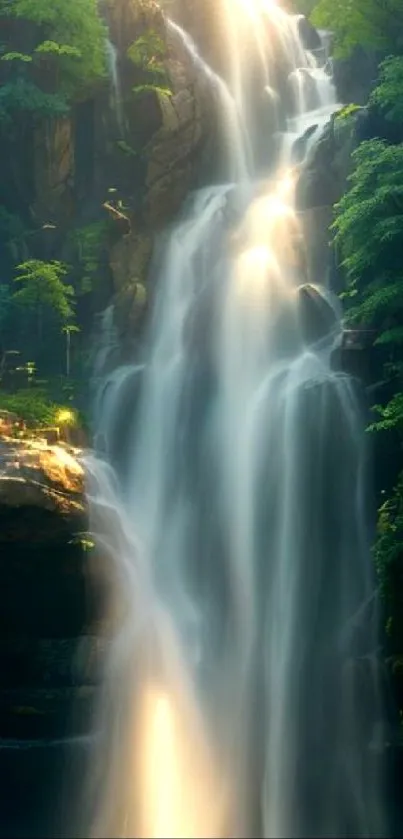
(234, 514)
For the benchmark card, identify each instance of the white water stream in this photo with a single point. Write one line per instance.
(240, 697)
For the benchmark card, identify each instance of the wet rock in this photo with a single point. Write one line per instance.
(45, 712)
(309, 35)
(60, 662)
(44, 545)
(317, 316)
(324, 176)
(130, 259)
(37, 477)
(53, 171)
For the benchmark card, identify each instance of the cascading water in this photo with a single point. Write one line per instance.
(114, 76)
(241, 695)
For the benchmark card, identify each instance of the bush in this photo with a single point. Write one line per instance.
(36, 409)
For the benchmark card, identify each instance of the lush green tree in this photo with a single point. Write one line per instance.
(36, 407)
(70, 46)
(372, 24)
(373, 203)
(43, 288)
(387, 96)
(368, 232)
(147, 53)
(388, 554)
(47, 299)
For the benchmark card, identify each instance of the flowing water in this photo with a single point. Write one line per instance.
(116, 90)
(241, 696)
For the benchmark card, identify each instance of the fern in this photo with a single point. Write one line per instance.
(387, 95)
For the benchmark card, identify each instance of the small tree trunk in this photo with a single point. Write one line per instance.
(68, 352)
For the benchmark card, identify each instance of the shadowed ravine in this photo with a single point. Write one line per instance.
(242, 695)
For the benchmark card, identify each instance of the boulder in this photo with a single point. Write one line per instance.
(35, 476)
(318, 317)
(323, 177)
(43, 541)
(51, 647)
(309, 35)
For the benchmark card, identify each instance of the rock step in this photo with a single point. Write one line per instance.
(51, 662)
(30, 714)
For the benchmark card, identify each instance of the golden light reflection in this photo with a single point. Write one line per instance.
(257, 274)
(179, 798)
(255, 7)
(269, 240)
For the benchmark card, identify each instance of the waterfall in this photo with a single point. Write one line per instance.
(241, 695)
(112, 55)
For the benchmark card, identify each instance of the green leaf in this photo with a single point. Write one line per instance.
(16, 56)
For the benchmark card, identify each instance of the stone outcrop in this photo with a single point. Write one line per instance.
(127, 153)
(324, 175)
(322, 181)
(46, 479)
(46, 598)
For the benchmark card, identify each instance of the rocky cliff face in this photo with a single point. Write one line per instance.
(125, 157)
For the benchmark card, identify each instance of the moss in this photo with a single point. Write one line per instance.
(348, 111)
(36, 410)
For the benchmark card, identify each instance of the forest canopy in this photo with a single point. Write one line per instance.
(70, 40)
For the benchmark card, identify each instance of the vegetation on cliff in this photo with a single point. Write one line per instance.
(368, 234)
(375, 25)
(63, 54)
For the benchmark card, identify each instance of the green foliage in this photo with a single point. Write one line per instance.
(388, 93)
(43, 288)
(52, 48)
(144, 88)
(16, 56)
(73, 39)
(388, 554)
(392, 415)
(347, 111)
(148, 53)
(371, 24)
(32, 405)
(23, 95)
(368, 233)
(373, 203)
